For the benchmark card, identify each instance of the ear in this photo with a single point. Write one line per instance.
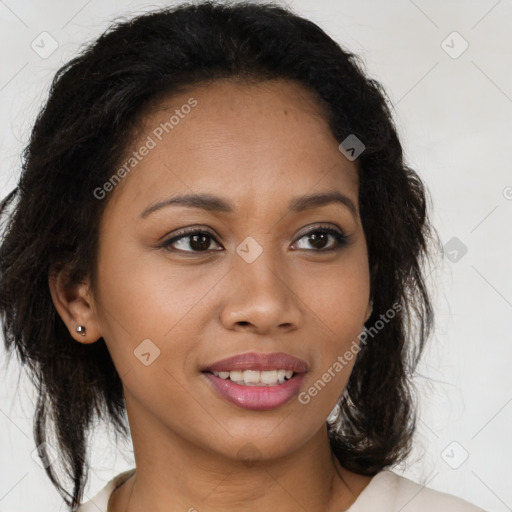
(75, 305)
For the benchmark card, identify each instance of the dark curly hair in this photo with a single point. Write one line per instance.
(78, 139)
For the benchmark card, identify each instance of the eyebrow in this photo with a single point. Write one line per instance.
(213, 203)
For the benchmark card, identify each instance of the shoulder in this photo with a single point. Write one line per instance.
(100, 501)
(392, 493)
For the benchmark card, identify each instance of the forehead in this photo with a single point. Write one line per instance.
(256, 142)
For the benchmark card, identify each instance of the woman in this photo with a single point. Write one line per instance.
(216, 238)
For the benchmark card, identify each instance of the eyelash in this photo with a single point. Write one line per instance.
(340, 238)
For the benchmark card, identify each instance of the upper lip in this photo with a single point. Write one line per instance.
(259, 361)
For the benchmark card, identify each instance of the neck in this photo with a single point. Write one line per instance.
(175, 475)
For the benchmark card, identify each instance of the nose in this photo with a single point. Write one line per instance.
(262, 297)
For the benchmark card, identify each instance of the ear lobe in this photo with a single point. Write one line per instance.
(75, 305)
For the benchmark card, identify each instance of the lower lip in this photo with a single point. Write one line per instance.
(257, 398)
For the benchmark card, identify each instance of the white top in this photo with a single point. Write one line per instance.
(386, 492)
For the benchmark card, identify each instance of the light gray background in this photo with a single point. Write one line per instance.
(453, 115)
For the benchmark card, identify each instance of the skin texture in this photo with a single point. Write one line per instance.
(257, 146)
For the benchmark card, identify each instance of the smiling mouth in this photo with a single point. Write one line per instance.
(256, 389)
(256, 377)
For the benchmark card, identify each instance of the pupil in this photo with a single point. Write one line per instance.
(205, 241)
(322, 237)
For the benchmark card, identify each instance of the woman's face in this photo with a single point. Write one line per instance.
(256, 283)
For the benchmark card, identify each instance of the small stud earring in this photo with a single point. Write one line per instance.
(81, 330)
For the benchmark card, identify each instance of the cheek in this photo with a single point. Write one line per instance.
(337, 296)
(338, 301)
(138, 294)
(334, 361)
(143, 296)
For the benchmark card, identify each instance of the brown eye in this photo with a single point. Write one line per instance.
(196, 240)
(319, 239)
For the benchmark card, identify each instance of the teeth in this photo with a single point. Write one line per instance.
(252, 376)
(256, 377)
(235, 376)
(268, 377)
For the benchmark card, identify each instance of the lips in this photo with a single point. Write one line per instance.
(258, 361)
(254, 395)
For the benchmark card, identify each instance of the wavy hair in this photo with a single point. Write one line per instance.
(51, 219)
